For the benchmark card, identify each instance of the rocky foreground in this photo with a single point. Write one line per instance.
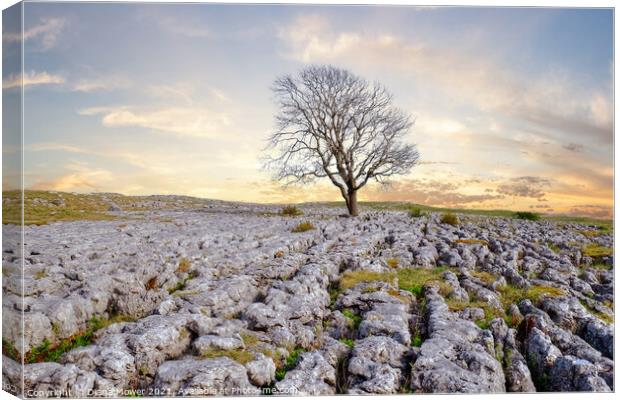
(234, 299)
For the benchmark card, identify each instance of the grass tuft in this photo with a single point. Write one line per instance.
(184, 265)
(472, 241)
(291, 211)
(414, 279)
(290, 363)
(415, 212)
(303, 227)
(241, 356)
(594, 250)
(450, 219)
(351, 278)
(392, 262)
(484, 276)
(355, 320)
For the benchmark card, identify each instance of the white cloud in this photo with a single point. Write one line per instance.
(46, 32)
(551, 101)
(101, 83)
(32, 78)
(188, 121)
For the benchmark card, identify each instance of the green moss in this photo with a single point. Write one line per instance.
(553, 247)
(348, 342)
(42, 207)
(241, 356)
(512, 295)
(417, 340)
(484, 276)
(180, 286)
(303, 227)
(290, 363)
(450, 219)
(594, 250)
(48, 351)
(9, 350)
(414, 279)
(608, 319)
(355, 319)
(352, 278)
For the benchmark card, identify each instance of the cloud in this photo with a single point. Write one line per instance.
(188, 121)
(574, 147)
(525, 186)
(46, 33)
(82, 177)
(427, 191)
(32, 78)
(101, 83)
(551, 100)
(593, 210)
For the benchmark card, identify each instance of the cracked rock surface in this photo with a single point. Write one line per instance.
(224, 298)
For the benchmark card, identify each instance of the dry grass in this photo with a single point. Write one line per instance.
(594, 250)
(184, 265)
(472, 241)
(392, 262)
(450, 219)
(241, 356)
(291, 211)
(351, 278)
(414, 279)
(484, 276)
(303, 227)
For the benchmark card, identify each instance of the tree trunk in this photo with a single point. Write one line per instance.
(352, 204)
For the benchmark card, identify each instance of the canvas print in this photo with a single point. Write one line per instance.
(242, 199)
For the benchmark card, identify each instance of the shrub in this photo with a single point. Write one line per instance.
(303, 227)
(291, 211)
(415, 212)
(530, 216)
(450, 219)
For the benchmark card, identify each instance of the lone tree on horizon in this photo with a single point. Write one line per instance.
(334, 124)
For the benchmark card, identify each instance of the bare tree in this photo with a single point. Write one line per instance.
(333, 124)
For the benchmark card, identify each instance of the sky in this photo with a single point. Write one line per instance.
(513, 107)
